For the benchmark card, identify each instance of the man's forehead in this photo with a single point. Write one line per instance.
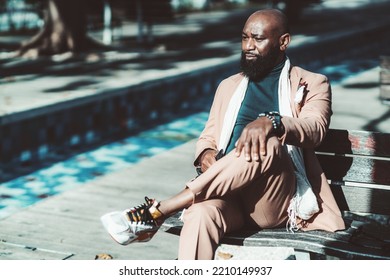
(262, 22)
(256, 26)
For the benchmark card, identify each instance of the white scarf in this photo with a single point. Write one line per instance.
(304, 203)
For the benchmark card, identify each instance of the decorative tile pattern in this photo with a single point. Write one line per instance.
(66, 175)
(34, 137)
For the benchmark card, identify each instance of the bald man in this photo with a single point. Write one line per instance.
(248, 174)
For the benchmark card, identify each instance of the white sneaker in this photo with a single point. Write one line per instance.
(137, 224)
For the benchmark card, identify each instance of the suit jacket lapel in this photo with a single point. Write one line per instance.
(295, 79)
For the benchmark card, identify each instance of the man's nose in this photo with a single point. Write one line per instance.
(249, 44)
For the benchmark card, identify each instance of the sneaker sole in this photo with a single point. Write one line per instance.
(143, 237)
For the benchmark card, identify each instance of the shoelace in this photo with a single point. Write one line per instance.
(140, 213)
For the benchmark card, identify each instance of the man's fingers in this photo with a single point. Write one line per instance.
(207, 162)
(255, 149)
(207, 159)
(263, 143)
(238, 147)
(247, 150)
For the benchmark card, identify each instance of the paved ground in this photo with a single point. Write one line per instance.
(67, 225)
(357, 104)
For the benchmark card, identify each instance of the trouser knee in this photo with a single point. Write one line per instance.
(276, 154)
(204, 216)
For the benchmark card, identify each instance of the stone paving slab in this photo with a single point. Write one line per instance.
(357, 104)
(70, 222)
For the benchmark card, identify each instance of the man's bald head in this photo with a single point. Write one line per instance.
(277, 21)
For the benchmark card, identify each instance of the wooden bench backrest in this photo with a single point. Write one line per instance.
(357, 163)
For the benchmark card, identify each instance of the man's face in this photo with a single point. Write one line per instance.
(260, 48)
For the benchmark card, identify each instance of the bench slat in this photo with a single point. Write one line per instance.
(355, 169)
(319, 242)
(362, 199)
(356, 142)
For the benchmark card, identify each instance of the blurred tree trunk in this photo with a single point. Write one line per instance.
(149, 12)
(145, 16)
(65, 30)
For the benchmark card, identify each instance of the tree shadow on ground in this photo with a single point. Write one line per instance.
(101, 64)
(104, 63)
(362, 85)
(373, 124)
(184, 47)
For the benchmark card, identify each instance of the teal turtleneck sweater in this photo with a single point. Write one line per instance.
(261, 96)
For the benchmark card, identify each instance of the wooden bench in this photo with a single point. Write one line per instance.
(357, 165)
(384, 80)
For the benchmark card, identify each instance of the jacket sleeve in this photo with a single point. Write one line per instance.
(309, 128)
(207, 139)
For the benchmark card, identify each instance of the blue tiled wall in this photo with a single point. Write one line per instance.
(49, 134)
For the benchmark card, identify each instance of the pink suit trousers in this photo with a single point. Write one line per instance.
(234, 193)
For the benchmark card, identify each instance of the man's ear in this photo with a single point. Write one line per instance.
(284, 41)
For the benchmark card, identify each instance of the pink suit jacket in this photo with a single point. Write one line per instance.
(306, 129)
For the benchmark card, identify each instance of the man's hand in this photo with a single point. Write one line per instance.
(254, 138)
(207, 158)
